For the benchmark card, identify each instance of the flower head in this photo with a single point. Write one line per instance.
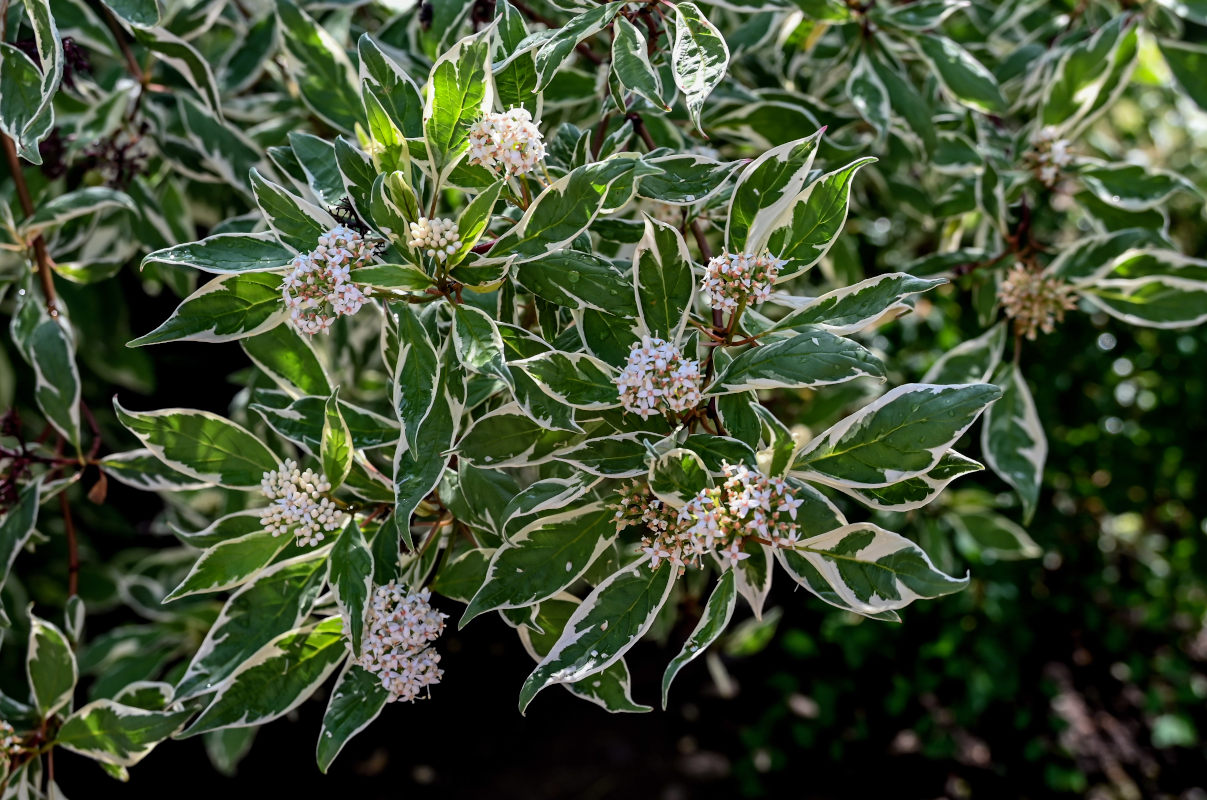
(718, 520)
(400, 627)
(1036, 302)
(1050, 154)
(9, 741)
(319, 288)
(437, 238)
(658, 378)
(510, 142)
(298, 504)
(730, 279)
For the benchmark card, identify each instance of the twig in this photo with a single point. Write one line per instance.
(119, 35)
(73, 552)
(41, 257)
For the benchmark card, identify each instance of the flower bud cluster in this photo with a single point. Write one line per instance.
(510, 141)
(318, 288)
(298, 504)
(1034, 301)
(730, 279)
(9, 741)
(658, 379)
(717, 520)
(401, 626)
(1051, 154)
(437, 238)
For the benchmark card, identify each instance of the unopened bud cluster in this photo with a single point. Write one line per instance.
(401, 626)
(318, 288)
(9, 741)
(1051, 154)
(657, 379)
(1035, 301)
(436, 238)
(717, 520)
(510, 142)
(730, 279)
(298, 504)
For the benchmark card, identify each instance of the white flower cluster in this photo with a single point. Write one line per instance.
(319, 288)
(717, 520)
(297, 500)
(437, 237)
(1051, 154)
(658, 378)
(730, 279)
(1035, 301)
(510, 141)
(401, 626)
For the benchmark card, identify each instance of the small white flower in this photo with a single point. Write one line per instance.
(399, 630)
(435, 238)
(9, 741)
(658, 378)
(319, 286)
(298, 505)
(1036, 302)
(730, 279)
(509, 141)
(1050, 154)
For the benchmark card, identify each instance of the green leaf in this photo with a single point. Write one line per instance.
(317, 158)
(276, 678)
(279, 599)
(972, 360)
(229, 564)
(662, 280)
(289, 359)
(327, 80)
(1087, 74)
(297, 223)
(965, 78)
(356, 700)
(226, 253)
(201, 445)
(184, 58)
(611, 619)
(478, 344)
(915, 492)
(699, 58)
(573, 279)
(811, 358)
(72, 205)
(20, 102)
(631, 63)
(562, 211)
(868, 94)
(336, 444)
(624, 455)
(515, 78)
(554, 52)
(302, 421)
(1188, 63)
(47, 344)
(576, 379)
(717, 613)
(765, 189)
(50, 667)
(807, 229)
(416, 374)
(115, 733)
(506, 437)
(992, 536)
(898, 436)
(1131, 186)
(545, 557)
(474, 219)
(144, 13)
(352, 580)
(395, 90)
(1013, 440)
(228, 308)
(853, 308)
(677, 476)
(457, 94)
(871, 570)
(686, 178)
(17, 525)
